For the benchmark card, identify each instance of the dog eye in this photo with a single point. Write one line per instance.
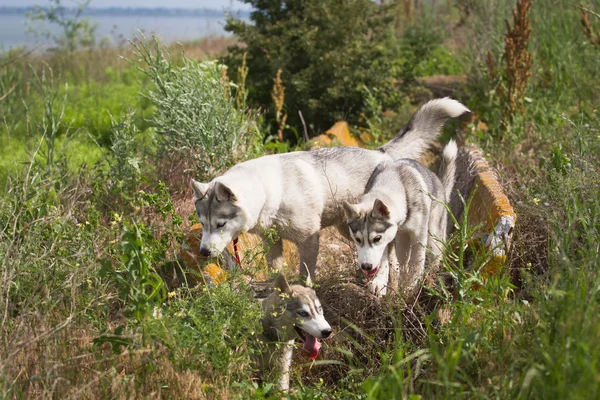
(220, 225)
(303, 314)
(376, 239)
(357, 240)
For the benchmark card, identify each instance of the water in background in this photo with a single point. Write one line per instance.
(115, 29)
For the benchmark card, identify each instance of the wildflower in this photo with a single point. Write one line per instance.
(171, 294)
(536, 201)
(157, 312)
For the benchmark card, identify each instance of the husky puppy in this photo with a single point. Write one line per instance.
(291, 311)
(402, 207)
(302, 192)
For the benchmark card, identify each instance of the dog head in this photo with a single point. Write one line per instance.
(220, 214)
(372, 230)
(295, 311)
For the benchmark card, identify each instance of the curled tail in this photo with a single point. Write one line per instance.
(447, 172)
(423, 128)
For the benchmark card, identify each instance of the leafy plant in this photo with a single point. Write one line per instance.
(416, 45)
(194, 112)
(327, 52)
(140, 287)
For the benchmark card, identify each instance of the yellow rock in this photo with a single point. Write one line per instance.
(342, 133)
(216, 273)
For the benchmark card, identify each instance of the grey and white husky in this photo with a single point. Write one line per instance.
(402, 209)
(302, 192)
(291, 311)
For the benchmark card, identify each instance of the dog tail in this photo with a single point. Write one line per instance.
(422, 129)
(447, 172)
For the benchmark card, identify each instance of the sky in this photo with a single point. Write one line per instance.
(214, 4)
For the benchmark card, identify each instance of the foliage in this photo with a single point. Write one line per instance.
(93, 106)
(216, 326)
(587, 26)
(194, 112)
(140, 286)
(417, 43)
(76, 31)
(88, 308)
(514, 76)
(438, 61)
(327, 52)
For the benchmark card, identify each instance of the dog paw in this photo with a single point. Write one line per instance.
(378, 286)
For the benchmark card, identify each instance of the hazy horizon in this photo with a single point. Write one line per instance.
(210, 4)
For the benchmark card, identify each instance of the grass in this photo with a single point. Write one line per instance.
(91, 307)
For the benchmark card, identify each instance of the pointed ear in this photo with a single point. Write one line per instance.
(350, 211)
(223, 193)
(282, 284)
(200, 189)
(380, 210)
(308, 281)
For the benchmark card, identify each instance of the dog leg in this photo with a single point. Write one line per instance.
(402, 247)
(416, 261)
(379, 284)
(285, 364)
(308, 250)
(394, 269)
(274, 254)
(437, 235)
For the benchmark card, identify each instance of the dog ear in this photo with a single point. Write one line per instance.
(350, 211)
(223, 193)
(282, 284)
(380, 210)
(200, 189)
(308, 281)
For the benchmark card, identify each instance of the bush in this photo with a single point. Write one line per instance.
(195, 112)
(327, 51)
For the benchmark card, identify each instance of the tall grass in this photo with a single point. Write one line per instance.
(91, 300)
(86, 309)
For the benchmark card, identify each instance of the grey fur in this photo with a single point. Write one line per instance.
(280, 321)
(401, 216)
(302, 192)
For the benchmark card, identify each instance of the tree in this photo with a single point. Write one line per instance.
(76, 31)
(328, 51)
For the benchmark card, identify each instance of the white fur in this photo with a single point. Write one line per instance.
(300, 193)
(278, 324)
(403, 206)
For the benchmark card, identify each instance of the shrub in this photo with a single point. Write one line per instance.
(327, 51)
(195, 113)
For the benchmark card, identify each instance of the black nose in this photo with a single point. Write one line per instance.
(205, 251)
(325, 333)
(366, 266)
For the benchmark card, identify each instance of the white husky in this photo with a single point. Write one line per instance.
(302, 192)
(403, 207)
(291, 311)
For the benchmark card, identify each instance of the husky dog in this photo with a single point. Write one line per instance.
(291, 311)
(403, 205)
(302, 192)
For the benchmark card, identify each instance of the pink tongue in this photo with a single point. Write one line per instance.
(372, 272)
(312, 346)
